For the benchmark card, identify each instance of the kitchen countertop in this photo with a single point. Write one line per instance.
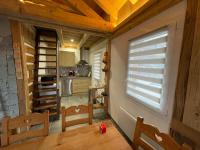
(73, 77)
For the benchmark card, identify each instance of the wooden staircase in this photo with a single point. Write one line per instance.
(46, 93)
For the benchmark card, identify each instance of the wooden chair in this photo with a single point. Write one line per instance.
(162, 139)
(21, 128)
(76, 110)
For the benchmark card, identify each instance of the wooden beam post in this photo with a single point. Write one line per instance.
(83, 40)
(84, 8)
(107, 76)
(60, 36)
(191, 116)
(185, 58)
(185, 124)
(17, 46)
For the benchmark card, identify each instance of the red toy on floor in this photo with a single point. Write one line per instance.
(102, 128)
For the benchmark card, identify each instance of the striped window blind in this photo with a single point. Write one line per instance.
(97, 66)
(146, 68)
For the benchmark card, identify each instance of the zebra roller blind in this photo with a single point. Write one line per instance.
(146, 68)
(97, 66)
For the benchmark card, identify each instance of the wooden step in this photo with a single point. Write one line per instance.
(45, 98)
(46, 75)
(47, 90)
(51, 61)
(47, 87)
(45, 106)
(47, 33)
(48, 48)
(47, 54)
(45, 68)
(47, 101)
(47, 41)
(46, 82)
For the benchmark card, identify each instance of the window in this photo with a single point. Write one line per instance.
(147, 67)
(97, 66)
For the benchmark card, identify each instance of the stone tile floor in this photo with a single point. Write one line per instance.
(56, 126)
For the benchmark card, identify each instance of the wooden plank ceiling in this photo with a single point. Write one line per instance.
(101, 16)
(73, 39)
(114, 12)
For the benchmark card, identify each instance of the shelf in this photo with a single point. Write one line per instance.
(98, 106)
(95, 88)
(99, 96)
(105, 61)
(105, 70)
(52, 113)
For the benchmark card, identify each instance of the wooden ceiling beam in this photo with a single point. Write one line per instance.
(61, 27)
(130, 8)
(48, 14)
(112, 8)
(92, 4)
(64, 3)
(84, 8)
(108, 8)
(83, 40)
(52, 3)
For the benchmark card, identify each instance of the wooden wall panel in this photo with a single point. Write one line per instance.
(29, 51)
(24, 50)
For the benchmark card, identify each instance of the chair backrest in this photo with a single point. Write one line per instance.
(76, 110)
(162, 139)
(24, 127)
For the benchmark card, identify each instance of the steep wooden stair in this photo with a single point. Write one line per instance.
(46, 94)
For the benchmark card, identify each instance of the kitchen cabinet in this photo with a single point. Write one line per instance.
(81, 85)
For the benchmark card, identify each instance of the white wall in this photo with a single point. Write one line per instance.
(124, 110)
(101, 47)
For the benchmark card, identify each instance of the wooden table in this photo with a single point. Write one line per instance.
(84, 138)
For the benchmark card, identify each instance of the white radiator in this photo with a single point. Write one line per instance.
(127, 122)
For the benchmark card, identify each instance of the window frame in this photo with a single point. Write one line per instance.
(161, 108)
